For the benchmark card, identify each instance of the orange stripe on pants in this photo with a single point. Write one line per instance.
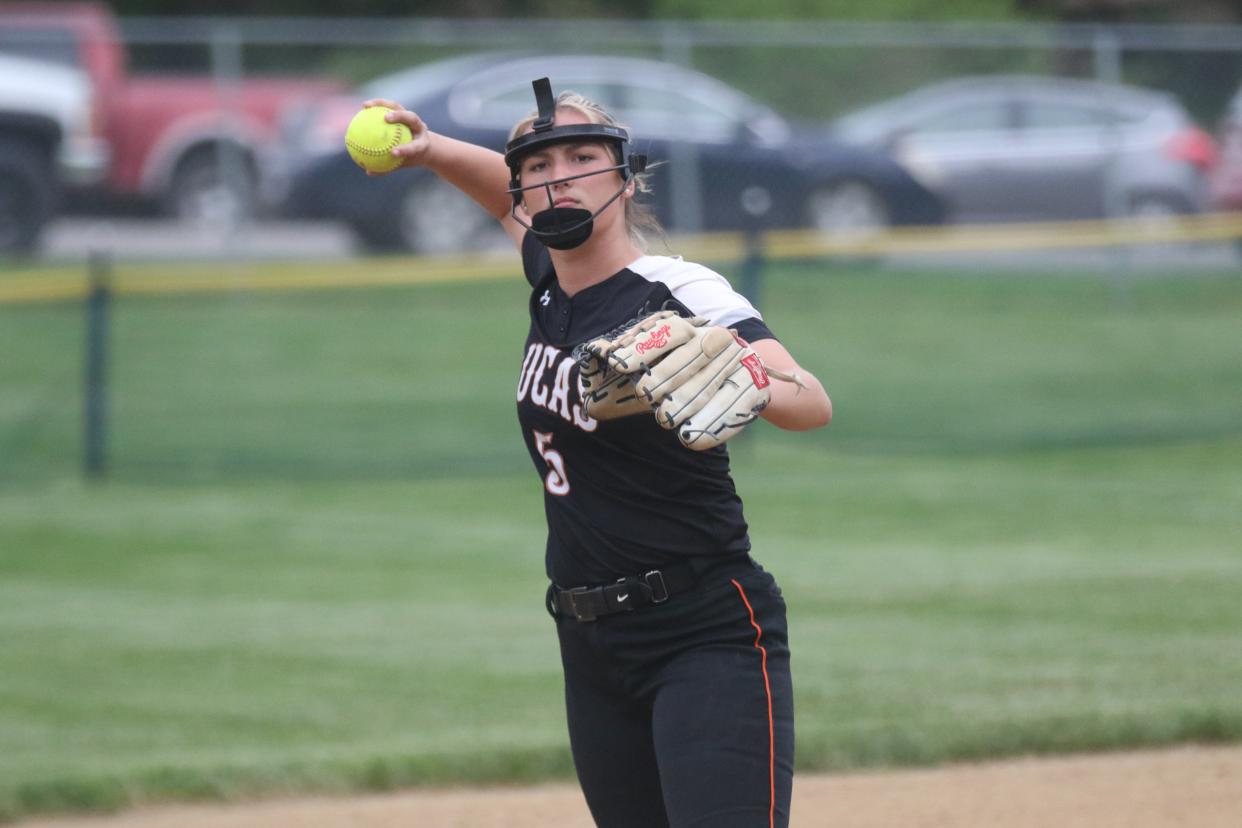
(767, 687)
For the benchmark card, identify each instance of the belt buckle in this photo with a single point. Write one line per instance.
(657, 596)
(580, 614)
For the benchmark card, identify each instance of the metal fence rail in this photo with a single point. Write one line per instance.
(503, 32)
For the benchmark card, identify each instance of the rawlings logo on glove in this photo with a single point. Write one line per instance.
(706, 382)
(757, 372)
(657, 340)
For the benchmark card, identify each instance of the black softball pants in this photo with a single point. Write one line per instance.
(681, 714)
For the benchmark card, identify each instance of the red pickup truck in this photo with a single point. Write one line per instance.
(186, 144)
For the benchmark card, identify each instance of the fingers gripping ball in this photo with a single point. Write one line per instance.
(370, 140)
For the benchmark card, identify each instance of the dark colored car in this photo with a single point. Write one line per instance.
(728, 157)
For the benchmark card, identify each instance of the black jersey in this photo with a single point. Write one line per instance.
(622, 496)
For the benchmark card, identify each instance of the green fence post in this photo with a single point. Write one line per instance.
(756, 202)
(95, 399)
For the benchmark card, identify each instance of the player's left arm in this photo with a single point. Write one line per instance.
(793, 407)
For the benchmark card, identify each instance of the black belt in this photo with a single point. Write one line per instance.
(625, 595)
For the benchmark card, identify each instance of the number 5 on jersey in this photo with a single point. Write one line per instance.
(555, 482)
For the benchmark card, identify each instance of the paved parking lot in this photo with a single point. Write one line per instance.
(75, 239)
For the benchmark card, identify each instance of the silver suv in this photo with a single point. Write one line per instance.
(1015, 148)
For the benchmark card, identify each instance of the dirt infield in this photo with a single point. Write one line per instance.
(1190, 787)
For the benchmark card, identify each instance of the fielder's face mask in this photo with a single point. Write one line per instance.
(564, 228)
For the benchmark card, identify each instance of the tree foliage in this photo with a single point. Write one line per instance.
(636, 9)
(391, 8)
(991, 10)
(837, 9)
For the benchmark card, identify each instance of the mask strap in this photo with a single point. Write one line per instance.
(546, 103)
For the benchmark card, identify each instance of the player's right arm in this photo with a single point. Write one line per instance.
(478, 172)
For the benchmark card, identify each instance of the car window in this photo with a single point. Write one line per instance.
(972, 116)
(1059, 115)
(667, 112)
(503, 105)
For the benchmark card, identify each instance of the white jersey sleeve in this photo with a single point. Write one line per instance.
(702, 290)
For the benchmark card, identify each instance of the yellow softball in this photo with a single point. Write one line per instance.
(370, 139)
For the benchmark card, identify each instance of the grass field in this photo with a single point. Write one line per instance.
(316, 563)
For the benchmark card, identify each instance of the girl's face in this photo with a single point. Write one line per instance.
(572, 159)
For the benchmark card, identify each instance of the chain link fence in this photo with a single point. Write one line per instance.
(227, 153)
(225, 377)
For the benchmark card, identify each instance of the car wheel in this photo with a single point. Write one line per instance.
(26, 195)
(848, 209)
(434, 217)
(212, 190)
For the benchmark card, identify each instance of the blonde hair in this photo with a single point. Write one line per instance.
(640, 220)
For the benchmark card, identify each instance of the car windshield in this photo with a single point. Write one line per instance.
(675, 107)
(657, 100)
(42, 43)
(500, 103)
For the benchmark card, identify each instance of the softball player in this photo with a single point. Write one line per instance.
(672, 638)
